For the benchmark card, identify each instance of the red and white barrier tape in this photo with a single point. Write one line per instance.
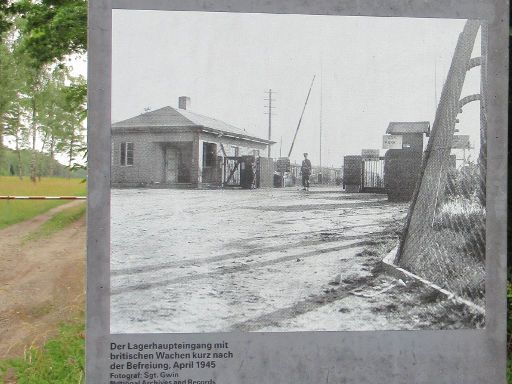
(43, 197)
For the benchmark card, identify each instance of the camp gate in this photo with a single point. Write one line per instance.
(247, 172)
(364, 174)
(372, 175)
(241, 171)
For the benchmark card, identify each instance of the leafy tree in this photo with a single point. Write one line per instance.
(7, 92)
(35, 82)
(14, 127)
(52, 113)
(61, 114)
(53, 29)
(40, 102)
(7, 87)
(5, 16)
(72, 139)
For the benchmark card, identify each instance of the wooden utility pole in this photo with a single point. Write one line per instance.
(269, 113)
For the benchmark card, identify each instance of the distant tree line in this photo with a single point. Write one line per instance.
(42, 106)
(13, 160)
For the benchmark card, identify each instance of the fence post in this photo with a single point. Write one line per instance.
(434, 169)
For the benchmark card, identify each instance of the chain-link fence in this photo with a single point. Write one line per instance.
(444, 237)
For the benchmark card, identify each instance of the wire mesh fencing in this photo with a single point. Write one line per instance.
(444, 237)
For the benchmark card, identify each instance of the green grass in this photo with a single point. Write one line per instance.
(60, 221)
(15, 211)
(509, 325)
(509, 369)
(59, 361)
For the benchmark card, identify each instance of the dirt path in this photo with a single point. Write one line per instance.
(263, 260)
(266, 260)
(41, 282)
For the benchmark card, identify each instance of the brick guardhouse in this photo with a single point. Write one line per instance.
(174, 147)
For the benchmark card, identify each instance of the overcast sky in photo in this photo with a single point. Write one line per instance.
(369, 71)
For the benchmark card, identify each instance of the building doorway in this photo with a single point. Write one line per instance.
(171, 165)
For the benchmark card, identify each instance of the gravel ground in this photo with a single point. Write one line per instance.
(251, 260)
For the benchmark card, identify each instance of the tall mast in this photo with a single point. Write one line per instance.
(301, 116)
(269, 118)
(321, 107)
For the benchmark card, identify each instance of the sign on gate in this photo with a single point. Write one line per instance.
(283, 164)
(370, 153)
(392, 142)
(460, 142)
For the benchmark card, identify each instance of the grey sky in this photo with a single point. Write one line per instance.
(373, 71)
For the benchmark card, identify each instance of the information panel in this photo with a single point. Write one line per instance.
(198, 274)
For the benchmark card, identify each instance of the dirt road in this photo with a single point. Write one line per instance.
(275, 260)
(41, 282)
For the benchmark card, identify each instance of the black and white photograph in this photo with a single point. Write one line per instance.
(289, 173)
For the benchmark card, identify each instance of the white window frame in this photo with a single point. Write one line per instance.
(124, 154)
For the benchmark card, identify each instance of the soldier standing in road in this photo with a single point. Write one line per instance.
(305, 170)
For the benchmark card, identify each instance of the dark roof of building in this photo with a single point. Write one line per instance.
(169, 117)
(397, 127)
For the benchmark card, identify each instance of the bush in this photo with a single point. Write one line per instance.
(467, 217)
(463, 182)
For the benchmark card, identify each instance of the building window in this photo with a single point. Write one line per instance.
(126, 153)
(236, 150)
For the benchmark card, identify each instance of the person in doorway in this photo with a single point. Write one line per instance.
(251, 173)
(305, 170)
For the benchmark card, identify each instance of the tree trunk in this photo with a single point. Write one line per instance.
(17, 132)
(33, 162)
(20, 164)
(18, 152)
(71, 147)
(2, 150)
(41, 156)
(51, 171)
